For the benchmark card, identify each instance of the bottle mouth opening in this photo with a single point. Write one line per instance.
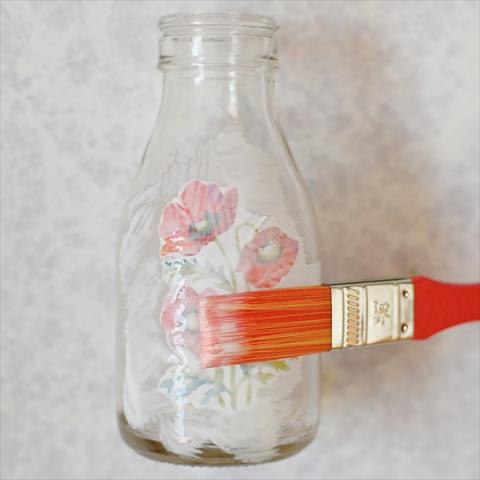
(232, 22)
(226, 39)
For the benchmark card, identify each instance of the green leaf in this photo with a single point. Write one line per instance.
(264, 377)
(278, 365)
(168, 384)
(196, 383)
(209, 394)
(246, 367)
(200, 272)
(219, 374)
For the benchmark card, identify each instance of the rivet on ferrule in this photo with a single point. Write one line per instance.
(366, 313)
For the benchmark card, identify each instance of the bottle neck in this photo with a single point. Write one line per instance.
(206, 95)
(218, 72)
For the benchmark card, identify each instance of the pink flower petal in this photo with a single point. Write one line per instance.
(200, 198)
(204, 213)
(185, 298)
(175, 221)
(264, 273)
(227, 210)
(177, 313)
(180, 245)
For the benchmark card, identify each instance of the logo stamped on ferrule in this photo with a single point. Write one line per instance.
(381, 313)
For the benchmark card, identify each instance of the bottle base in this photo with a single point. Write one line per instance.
(208, 456)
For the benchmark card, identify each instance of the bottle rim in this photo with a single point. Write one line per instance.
(217, 19)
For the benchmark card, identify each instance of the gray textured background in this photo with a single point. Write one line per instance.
(380, 103)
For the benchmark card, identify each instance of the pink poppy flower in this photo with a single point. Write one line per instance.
(268, 257)
(180, 310)
(180, 317)
(204, 212)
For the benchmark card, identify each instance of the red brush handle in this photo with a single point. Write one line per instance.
(441, 305)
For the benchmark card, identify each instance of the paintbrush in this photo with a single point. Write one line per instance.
(287, 322)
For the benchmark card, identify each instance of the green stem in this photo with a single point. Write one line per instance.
(237, 232)
(227, 261)
(246, 378)
(233, 387)
(249, 390)
(237, 241)
(219, 382)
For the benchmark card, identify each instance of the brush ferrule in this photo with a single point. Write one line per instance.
(371, 312)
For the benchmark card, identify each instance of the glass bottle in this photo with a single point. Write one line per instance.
(217, 206)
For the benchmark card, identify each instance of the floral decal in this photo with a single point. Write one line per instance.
(203, 213)
(268, 257)
(180, 317)
(210, 246)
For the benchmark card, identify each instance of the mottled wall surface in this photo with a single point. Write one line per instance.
(380, 103)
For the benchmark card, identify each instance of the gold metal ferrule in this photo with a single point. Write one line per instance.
(366, 313)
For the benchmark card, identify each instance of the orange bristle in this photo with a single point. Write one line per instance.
(265, 325)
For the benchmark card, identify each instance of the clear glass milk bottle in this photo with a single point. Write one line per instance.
(217, 207)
